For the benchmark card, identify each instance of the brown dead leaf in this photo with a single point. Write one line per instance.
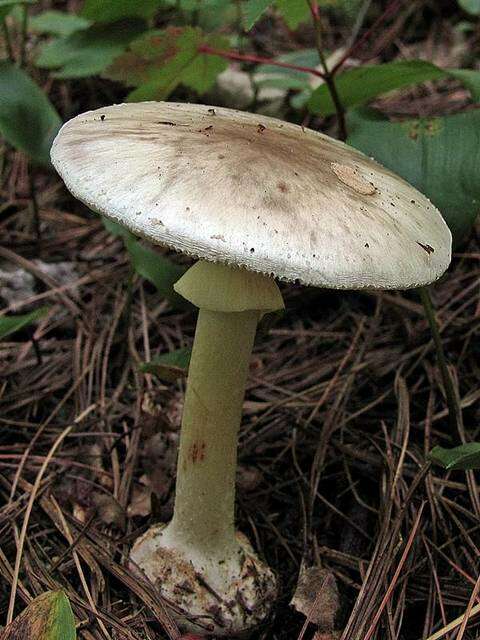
(108, 509)
(317, 598)
(141, 501)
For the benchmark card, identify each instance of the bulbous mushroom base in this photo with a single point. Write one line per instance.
(226, 596)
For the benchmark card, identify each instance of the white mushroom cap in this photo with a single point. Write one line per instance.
(253, 191)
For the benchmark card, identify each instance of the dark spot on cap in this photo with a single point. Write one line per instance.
(282, 186)
(261, 128)
(211, 112)
(252, 250)
(187, 208)
(221, 156)
(367, 246)
(167, 122)
(102, 117)
(209, 128)
(426, 247)
(412, 201)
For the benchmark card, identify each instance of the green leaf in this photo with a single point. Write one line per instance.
(169, 366)
(360, 85)
(201, 73)
(113, 10)
(89, 51)
(28, 120)
(214, 15)
(11, 3)
(48, 617)
(301, 58)
(270, 75)
(470, 6)
(157, 269)
(253, 10)
(159, 61)
(58, 23)
(294, 12)
(117, 229)
(10, 324)
(439, 156)
(466, 456)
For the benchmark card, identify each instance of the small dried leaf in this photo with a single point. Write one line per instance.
(248, 478)
(108, 509)
(317, 597)
(141, 501)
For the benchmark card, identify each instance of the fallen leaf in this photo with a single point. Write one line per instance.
(317, 597)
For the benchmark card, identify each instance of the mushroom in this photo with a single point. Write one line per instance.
(254, 199)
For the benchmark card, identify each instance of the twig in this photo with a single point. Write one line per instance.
(328, 75)
(396, 575)
(455, 623)
(234, 55)
(391, 9)
(454, 410)
(23, 43)
(8, 40)
(35, 210)
(26, 519)
(68, 535)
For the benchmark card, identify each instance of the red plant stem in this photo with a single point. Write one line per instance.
(391, 9)
(315, 10)
(233, 55)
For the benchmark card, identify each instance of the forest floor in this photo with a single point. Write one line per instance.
(344, 402)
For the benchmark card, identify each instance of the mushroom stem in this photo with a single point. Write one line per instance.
(205, 493)
(198, 560)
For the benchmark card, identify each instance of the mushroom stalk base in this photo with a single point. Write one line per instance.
(198, 561)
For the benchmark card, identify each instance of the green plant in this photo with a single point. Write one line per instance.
(11, 324)
(470, 6)
(157, 269)
(169, 366)
(465, 456)
(48, 617)
(28, 120)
